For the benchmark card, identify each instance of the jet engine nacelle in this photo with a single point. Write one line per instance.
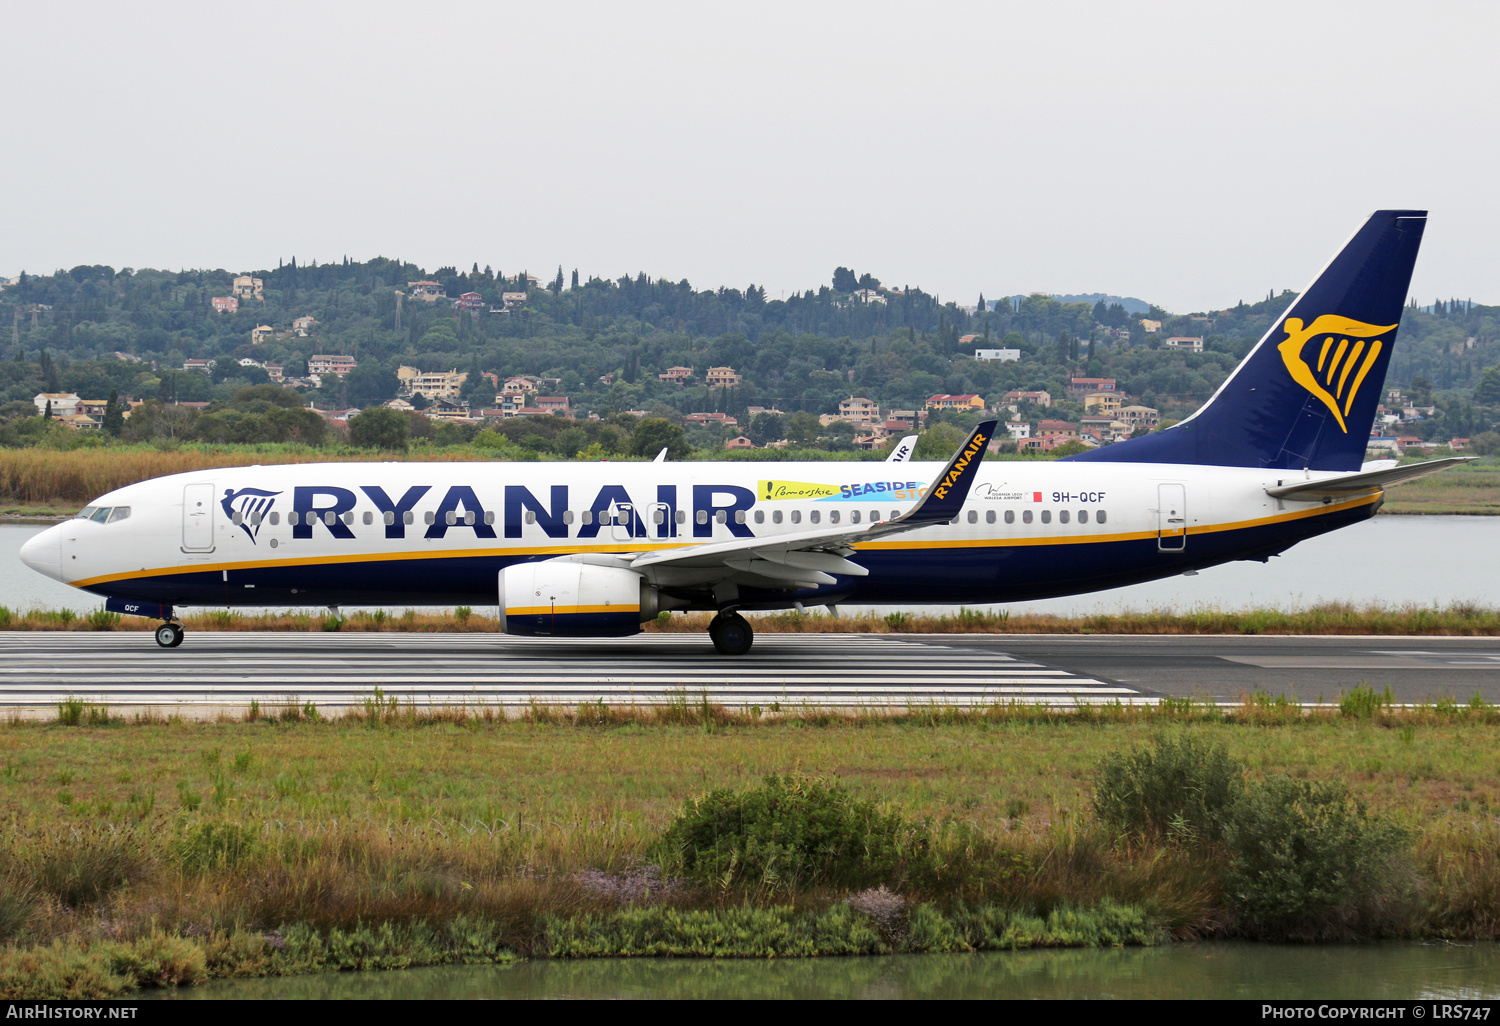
(579, 600)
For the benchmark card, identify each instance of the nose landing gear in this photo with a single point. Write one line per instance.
(169, 634)
(731, 634)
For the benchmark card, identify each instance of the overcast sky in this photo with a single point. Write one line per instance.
(1189, 154)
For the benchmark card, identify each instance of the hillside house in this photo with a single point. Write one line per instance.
(1016, 398)
(943, 401)
(722, 377)
(325, 363)
(1103, 402)
(202, 366)
(859, 411)
(225, 304)
(1001, 355)
(677, 375)
(303, 326)
(64, 404)
(1184, 343)
(1150, 327)
(469, 301)
(431, 384)
(557, 404)
(261, 334)
(246, 287)
(717, 419)
(1139, 418)
(426, 291)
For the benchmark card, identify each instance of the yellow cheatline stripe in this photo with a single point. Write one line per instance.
(566, 610)
(562, 550)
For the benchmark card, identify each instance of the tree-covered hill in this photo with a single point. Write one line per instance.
(803, 352)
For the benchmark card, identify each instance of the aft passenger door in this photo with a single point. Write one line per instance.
(1171, 517)
(198, 518)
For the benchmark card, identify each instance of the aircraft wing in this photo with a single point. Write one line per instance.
(1347, 484)
(809, 558)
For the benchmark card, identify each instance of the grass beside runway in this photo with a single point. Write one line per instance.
(171, 852)
(1460, 619)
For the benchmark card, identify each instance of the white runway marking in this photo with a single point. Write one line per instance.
(332, 670)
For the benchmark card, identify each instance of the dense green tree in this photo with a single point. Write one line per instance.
(653, 434)
(370, 384)
(114, 417)
(380, 428)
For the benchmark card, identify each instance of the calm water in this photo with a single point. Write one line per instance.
(1390, 559)
(1193, 971)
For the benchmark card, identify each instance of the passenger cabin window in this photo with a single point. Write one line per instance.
(1062, 516)
(530, 516)
(1099, 517)
(701, 516)
(369, 518)
(833, 516)
(973, 516)
(659, 516)
(760, 516)
(1046, 516)
(276, 519)
(429, 518)
(349, 518)
(739, 516)
(721, 517)
(1025, 516)
(1083, 516)
(408, 517)
(682, 516)
(586, 517)
(895, 513)
(989, 516)
(489, 517)
(775, 516)
(1010, 516)
(389, 518)
(854, 516)
(814, 517)
(796, 516)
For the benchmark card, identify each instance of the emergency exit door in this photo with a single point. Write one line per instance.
(198, 518)
(1171, 517)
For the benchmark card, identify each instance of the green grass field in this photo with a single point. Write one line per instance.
(172, 852)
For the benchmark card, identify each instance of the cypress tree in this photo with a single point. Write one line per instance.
(114, 418)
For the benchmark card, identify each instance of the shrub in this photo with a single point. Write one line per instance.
(1179, 785)
(1310, 864)
(103, 620)
(84, 868)
(217, 846)
(792, 830)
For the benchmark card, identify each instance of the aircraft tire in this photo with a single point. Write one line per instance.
(731, 634)
(169, 635)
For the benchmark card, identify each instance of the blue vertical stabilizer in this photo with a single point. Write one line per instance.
(1305, 397)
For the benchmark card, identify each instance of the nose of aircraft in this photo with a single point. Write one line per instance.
(44, 552)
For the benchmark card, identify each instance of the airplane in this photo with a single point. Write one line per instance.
(575, 550)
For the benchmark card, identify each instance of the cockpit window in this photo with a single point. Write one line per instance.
(104, 514)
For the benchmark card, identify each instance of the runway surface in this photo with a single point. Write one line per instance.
(213, 671)
(1309, 669)
(227, 670)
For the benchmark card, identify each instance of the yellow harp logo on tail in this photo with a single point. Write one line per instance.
(1344, 351)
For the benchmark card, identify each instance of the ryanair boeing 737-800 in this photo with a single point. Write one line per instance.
(569, 549)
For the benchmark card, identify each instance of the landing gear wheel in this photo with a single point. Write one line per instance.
(169, 635)
(731, 634)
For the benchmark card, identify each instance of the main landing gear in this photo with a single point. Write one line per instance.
(731, 633)
(169, 634)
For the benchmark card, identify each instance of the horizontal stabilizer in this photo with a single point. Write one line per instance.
(1347, 484)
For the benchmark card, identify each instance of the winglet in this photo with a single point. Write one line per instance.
(903, 449)
(946, 495)
(661, 457)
